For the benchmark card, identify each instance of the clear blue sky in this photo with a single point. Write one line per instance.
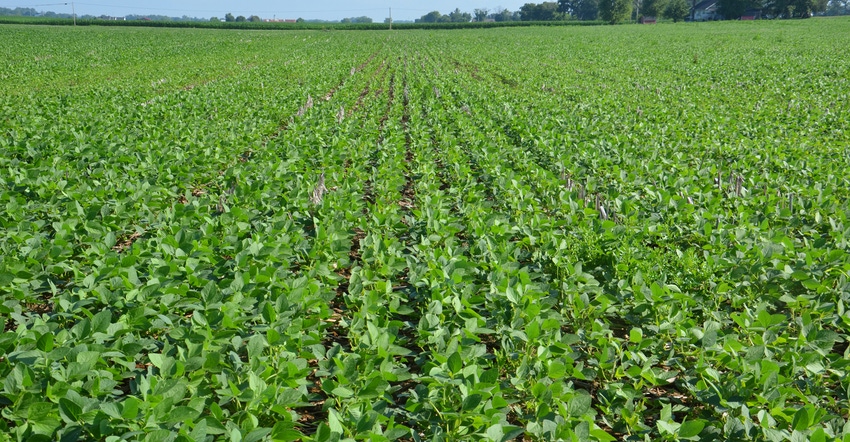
(320, 9)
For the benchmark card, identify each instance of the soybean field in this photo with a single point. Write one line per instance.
(536, 234)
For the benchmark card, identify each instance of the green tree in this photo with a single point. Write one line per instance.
(480, 14)
(361, 19)
(838, 7)
(677, 10)
(431, 17)
(229, 17)
(545, 11)
(255, 18)
(733, 9)
(241, 18)
(615, 11)
(580, 9)
(588, 10)
(528, 12)
(655, 8)
(460, 17)
(503, 15)
(801, 8)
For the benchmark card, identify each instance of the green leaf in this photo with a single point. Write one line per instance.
(45, 342)
(257, 434)
(182, 413)
(324, 433)
(199, 432)
(69, 411)
(495, 432)
(256, 345)
(214, 426)
(471, 402)
(160, 435)
(532, 330)
(557, 369)
(342, 392)
(811, 284)
(636, 335)
(801, 420)
(602, 435)
(691, 428)
(579, 404)
(666, 412)
(43, 418)
(272, 336)
(88, 358)
(284, 432)
(111, 409)
(657, 292)
(130, 407)
(800, 275)
(668, 427)
(156, 359)
(6, 278)
(335, 422)
(100, 322)
(455, 363)
(755, 354)
(709, 337)
(512, 433)
(582, 431)
(397, 432)
(818, 435)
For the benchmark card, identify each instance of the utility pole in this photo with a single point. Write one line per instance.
(73, 13)
(391, 19)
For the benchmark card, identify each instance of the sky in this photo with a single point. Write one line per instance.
(314, 9)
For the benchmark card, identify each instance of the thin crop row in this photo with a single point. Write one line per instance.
(534, 144)
(185, 304)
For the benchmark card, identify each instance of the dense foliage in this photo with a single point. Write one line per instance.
(632, 232)
(541, 12)
(503, 19)
(615, 11)
(733, 9)
(676, 10)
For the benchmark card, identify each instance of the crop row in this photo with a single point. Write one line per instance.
(476, 235)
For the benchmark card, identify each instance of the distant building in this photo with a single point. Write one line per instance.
(707, 10)
(108, 17)
(752, 14)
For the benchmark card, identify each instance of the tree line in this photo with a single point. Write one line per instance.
(613, 11)
(31, 12)
(617, 11)
(776, 8)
